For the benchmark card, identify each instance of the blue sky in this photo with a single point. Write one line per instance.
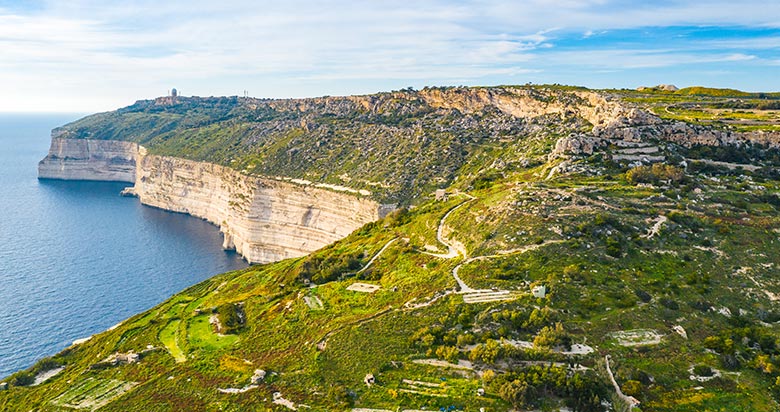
(88, 55)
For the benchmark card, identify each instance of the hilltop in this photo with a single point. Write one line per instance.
(397, 145)
(548, 242)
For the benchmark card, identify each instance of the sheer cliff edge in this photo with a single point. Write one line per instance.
(263, 219)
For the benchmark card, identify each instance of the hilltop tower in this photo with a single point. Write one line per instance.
(174, 92)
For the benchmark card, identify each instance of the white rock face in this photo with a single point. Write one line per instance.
(81, 159)
(263, 219)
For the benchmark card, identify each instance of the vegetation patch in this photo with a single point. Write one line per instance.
(169, 336)
(92, 393)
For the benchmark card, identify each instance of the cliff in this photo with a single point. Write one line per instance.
(83, 159)
(263, 219)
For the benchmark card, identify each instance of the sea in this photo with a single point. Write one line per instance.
(76, 258)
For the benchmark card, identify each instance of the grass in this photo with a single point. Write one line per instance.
(200, 335)
(169, 337)
(591, 293)
(92, 393)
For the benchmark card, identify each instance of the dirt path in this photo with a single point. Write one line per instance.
(456, 249)
(453, 250)
(730, 166)
(653, 231)
(631, 401)
(464, 288)
(376, 256)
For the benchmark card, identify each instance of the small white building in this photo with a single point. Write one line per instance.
(539, 291)
(441, 195)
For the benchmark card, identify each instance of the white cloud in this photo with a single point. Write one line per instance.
(96, 55)
(640, 59)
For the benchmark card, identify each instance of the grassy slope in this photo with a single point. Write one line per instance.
(721, 108)
(581, 235)
(398, 148)
(692, 265)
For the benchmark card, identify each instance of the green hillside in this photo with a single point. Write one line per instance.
(532, 272)
(725, 109)
(713, 92)
(396, 145)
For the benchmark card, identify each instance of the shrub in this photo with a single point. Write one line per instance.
(550, 337)
(572, 271)
(465, 340)
(448, 353)
(703, 370)
(320, 269)
(614, 247)
(24, 378)
(632, 388)
(730, 362)
(643, 296)
(231, 317)
(655, 174)
(669, 303)
(485, 180)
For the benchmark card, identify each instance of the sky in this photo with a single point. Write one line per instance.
(99, 55)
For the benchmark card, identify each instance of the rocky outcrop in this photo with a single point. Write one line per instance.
(263, 219)
(83, 159)
(599, 110)
(612, 119)
(576, 144)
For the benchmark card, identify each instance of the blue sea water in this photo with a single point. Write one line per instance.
(76, 258)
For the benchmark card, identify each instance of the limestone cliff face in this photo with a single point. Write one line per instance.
(529, 103)
(263, 219)
(82, 159)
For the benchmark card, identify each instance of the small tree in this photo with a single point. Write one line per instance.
(655, 174)
(550, 337)
(632, 388)
(448, 353)
(230, 317)
(24, 378)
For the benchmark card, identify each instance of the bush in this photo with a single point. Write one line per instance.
(572, 272)
(614, 247)
(669, 303)
(325, 269)
(398, 217)
(632, 388)
(730, 362)
(485, 180)
(655, 174)
(24, 378)
(550, 337)
(231, 317)
(643, 296)
(448, 353)
(703, 370)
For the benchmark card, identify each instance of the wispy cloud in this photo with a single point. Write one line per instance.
(90, 55)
